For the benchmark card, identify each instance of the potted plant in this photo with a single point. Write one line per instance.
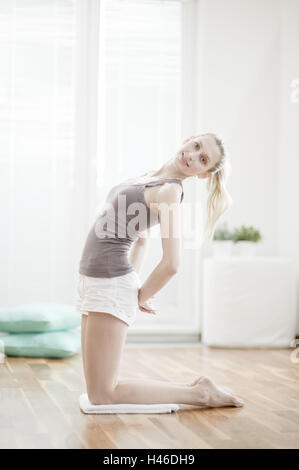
(245, 239)
(222, 242)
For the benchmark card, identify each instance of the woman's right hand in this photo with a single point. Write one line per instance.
(145, 305)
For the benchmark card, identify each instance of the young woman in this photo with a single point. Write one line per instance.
(110, 291)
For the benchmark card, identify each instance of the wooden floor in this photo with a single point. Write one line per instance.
(39, 402)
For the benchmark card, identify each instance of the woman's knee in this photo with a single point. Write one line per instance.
(99, 396)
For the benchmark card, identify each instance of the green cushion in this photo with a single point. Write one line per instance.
(53, 344)
(35, 318)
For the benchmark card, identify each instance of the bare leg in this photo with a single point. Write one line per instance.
(154, 381)
(105, 339)
(83, 334)
(157, 381)
(204, 393)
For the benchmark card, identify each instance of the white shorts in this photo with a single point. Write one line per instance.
(117, 296)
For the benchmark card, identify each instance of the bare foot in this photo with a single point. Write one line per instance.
(210, 395)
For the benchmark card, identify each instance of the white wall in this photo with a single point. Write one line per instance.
(288, 163)
(246, 59)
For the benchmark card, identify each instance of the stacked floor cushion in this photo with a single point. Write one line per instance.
(40, 330)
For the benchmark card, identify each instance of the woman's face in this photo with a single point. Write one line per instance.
(198, 155)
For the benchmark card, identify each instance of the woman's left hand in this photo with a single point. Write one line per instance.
(145, 305)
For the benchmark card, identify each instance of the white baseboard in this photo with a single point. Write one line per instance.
(169, 338)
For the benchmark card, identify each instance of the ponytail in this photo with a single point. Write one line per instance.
(219, 200)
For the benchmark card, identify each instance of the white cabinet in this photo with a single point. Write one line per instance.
(249, 302)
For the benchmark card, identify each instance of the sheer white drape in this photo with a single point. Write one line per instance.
(140, 87)
(91, 92)
(145, 108)
(37, 102)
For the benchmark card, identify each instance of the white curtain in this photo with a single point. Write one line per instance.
(145, 107)
(140, 86)
(91, 92)
(37, 103)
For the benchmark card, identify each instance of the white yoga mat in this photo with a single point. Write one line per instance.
(88, 408)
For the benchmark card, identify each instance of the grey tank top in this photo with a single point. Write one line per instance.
(105, 253)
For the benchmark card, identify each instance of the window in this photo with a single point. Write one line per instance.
(140, 86)
(37, 45)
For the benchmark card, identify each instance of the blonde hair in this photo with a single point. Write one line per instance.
(219, 200)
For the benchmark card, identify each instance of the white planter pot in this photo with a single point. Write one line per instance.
(245, 248)
(222, 248)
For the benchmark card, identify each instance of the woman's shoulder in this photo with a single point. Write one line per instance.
(162, 190)
(170, 192)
